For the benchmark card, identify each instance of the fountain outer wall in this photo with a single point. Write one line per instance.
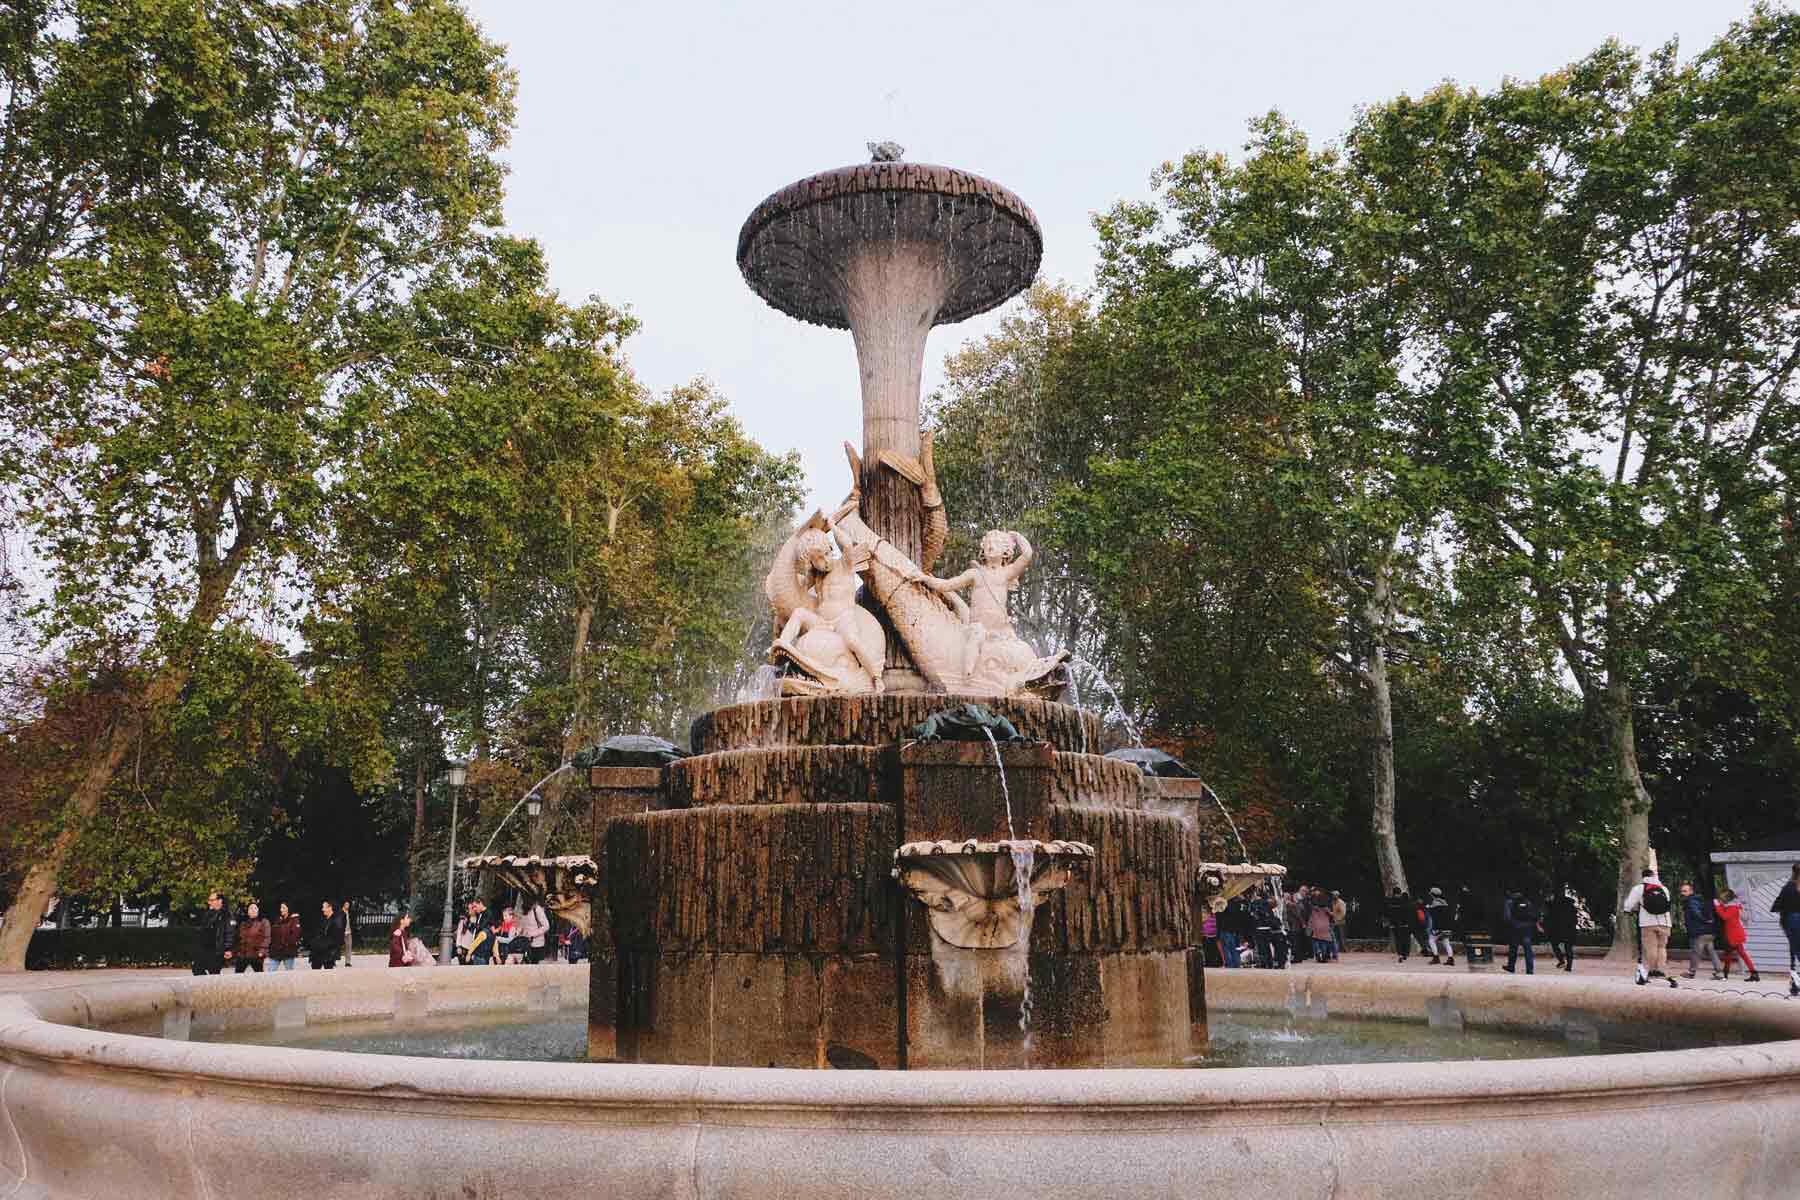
(756, 921)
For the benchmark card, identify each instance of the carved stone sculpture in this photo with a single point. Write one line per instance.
(834, 644)
(994, 657)
(971, 889)
(948, 642)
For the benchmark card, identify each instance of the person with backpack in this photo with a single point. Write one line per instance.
(1730, 911)
(1651, 901)
(1439, 917)
(1559, 927)
(1264, 929)
(1697, 915)
(1398, 911)
(1521, 917)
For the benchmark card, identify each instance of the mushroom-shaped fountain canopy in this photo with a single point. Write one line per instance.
(630, 750)
(794, 247)
(1154, 762)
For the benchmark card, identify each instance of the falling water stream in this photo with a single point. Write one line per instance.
(1024, 861)
(1005, 793)
(1118, 705)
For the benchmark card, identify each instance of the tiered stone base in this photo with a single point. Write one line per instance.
(751, 917)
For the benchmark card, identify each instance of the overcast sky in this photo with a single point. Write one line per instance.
(647, 132)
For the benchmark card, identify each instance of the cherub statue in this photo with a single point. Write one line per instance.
(994, 656)
(823, 631)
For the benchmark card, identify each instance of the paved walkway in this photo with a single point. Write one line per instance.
(1774, 977)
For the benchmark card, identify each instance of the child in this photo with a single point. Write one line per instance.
(1730, 911)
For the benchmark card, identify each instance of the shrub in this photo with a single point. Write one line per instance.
(63, 949)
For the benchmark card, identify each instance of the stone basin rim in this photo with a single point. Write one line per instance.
(27, 1035)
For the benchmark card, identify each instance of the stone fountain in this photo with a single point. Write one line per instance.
(853, 875)
(854, 872)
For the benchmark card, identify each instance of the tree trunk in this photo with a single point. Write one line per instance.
(557, 787)
(104, 760)
(1634, 810)
(1381, 754)
(39, 885)
(1377, 619)
(418, 829)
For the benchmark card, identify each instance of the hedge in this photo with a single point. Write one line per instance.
(62, 949)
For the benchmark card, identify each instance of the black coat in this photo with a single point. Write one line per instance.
(1559, 918)
(218, 932)
(328, 939)
(1402, 912)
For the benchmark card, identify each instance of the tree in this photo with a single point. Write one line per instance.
(206, 301)
(1606, 263)
(1284, 403)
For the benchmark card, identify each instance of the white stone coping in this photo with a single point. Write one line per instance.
(88, 1112)
(1244, 868)
(568, 861)
(1782, 857)
(974, 846)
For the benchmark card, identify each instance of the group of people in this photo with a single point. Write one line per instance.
(484, 940)
(253, 942)
(1715, 929)
(1268, 930)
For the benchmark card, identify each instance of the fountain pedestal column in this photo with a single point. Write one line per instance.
(615, 792)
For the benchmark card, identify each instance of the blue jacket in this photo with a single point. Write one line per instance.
(1697, 915)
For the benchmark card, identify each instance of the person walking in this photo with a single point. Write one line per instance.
(1398, 911)
(1697, 916)
(285, 937)
(1340, 913)
(328, 940)
(1295, 911)
(1421, 924)
(534, 927)
(1234, 930)
(218, 937)
(1521, 918)
(1263, 928)
(1559, 927)
(1318, 926)
(399, 942)
(1730, 912)
(1438, 919)
(1651, 901)
(1787, 910)
(252, 940)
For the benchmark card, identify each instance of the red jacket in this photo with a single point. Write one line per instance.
(285, 937)
(397, 949)
(1731, 922)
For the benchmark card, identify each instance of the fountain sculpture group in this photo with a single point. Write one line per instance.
(757, 900)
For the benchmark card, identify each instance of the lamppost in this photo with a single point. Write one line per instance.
(459, 772)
